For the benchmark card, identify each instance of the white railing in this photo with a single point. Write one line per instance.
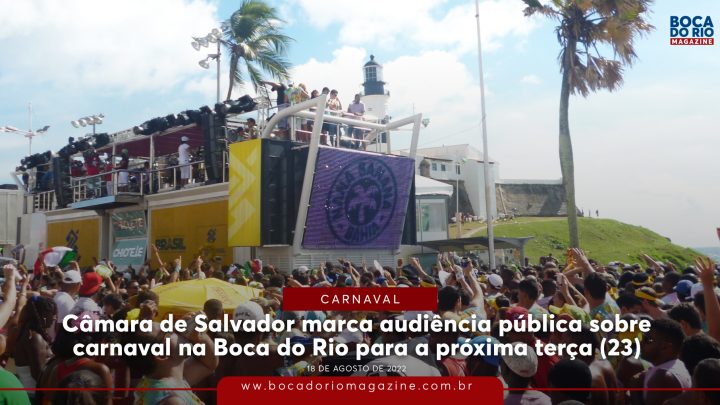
(129, 182)
(44, 201)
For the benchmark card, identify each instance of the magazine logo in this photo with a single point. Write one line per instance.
(695, 30)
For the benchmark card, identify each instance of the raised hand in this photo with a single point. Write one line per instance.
(706, 267)
(148, 310)
(9, 273)
(581, 260)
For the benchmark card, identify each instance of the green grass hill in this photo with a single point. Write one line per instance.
(604, 240)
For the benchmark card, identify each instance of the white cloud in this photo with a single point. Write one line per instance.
(343, 72)
(530, 79)
(387, 24)
(452, 103)
(92, 46)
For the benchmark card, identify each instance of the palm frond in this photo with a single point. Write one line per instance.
(586, 26)
(253, 38)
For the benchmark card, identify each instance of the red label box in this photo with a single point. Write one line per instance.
(359, 390)
(360, 299)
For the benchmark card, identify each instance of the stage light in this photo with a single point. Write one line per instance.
(182, 119)
(101, 139)
(171, 120)
(221, 108)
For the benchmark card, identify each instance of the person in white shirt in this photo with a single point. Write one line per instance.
(184, 160)
(357, 110)
(91, 283)
(65, 298)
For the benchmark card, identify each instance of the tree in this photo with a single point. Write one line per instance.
(584, 26)
(256, 44)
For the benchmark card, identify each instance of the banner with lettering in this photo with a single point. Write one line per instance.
(358, 201)
(129, 252)
(129, 224)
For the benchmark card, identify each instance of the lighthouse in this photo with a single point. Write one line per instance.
(374, 96)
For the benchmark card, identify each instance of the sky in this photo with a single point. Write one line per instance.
(646, 154)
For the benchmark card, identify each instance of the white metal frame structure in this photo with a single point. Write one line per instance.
(319, 116)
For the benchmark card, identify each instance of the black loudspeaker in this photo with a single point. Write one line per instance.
(61, 180)
(213, 146)
(101, 139)
(283, 167)
(409, 235)
(299, 156)
(275, 192)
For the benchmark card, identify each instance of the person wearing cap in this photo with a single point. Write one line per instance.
(494, 285)
(640, 280)
(629, 303)
(89, 294)
(650, 301)
(184, 161)
(486, 364)
(518, 371)
(65, 298)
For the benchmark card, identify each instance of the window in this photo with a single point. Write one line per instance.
(434, 167)
(457, 169)
(432, 217)
(371, 74)
(442, 168)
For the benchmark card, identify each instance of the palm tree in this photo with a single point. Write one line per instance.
(256, 44)
(585, 25)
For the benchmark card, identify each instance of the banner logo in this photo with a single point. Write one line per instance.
(361, 201)
(692, 30)
(72, 238)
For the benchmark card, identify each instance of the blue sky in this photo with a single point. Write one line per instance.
(646, 154)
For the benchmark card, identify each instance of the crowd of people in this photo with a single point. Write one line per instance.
(680, 351)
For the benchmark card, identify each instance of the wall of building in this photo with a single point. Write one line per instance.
(472, 171)
(531, 198)
(376, 105)
(472, 184)
(83, 231)
(11, 208)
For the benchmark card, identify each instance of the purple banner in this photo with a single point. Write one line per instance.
(358, 200)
